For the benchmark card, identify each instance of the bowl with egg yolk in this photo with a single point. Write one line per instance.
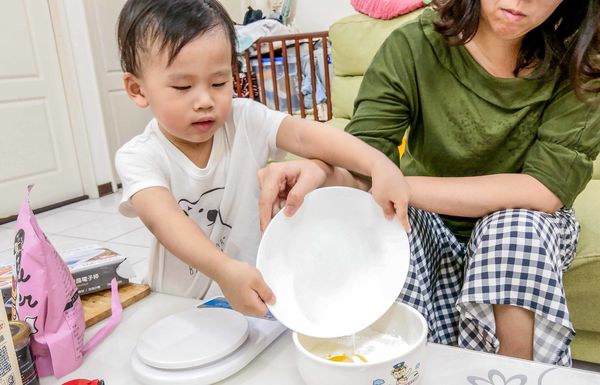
(389, 351)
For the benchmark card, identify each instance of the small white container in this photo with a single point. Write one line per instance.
(401, 365)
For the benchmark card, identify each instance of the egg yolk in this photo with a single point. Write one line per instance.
(345, 358)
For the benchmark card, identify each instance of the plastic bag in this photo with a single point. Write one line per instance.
(45, 296)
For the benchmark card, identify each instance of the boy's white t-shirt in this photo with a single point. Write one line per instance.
(221, 198)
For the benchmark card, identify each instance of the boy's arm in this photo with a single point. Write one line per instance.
(241, 283)
(314, 140)
(310, 139)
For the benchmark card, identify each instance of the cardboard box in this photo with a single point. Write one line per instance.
(92, 267)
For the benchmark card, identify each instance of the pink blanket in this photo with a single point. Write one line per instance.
(387, 9)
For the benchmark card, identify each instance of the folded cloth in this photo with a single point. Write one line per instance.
(387, 9)
(248, 34)
(320, 94)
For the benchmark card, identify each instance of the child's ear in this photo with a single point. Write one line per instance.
(134, 90)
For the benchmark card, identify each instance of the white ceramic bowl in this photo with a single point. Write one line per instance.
(336, 265)
(403, 366)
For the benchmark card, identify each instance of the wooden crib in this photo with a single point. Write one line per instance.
(254, 75)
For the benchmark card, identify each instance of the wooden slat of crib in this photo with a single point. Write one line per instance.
(312, 78)
(238, 81)
(327, 80)
(297, 38)
(261, 76)
(288, 94)
(299, 72)
(249, 74)
(274, 75)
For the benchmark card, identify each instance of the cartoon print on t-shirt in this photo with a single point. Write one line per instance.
(206, 213)
(205, 208)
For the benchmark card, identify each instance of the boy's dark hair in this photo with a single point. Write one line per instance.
(170, 24)
(568, 40)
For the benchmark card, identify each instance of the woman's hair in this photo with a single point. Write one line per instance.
(569, 40)
(168, 25)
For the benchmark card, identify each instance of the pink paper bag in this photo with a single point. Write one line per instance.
(45, 296)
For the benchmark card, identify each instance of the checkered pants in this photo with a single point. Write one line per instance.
(514, 257)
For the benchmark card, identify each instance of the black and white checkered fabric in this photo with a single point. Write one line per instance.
(514, 257)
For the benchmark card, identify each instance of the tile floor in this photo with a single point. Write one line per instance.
(97, 221)
(93, 221)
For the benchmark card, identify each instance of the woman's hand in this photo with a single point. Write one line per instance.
(244, 287)
(285, 184)
(390, 190)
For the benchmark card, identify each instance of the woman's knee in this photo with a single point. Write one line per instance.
(515, 228)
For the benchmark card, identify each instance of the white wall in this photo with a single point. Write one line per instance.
(235, 8)
(318, 15)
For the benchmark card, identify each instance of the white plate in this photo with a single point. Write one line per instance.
(192, 338)
(336, 266)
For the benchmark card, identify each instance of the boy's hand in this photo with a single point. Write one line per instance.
(391, 191)
(285, 184)
(244, 287)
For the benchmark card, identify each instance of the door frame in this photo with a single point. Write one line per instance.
(76, 110)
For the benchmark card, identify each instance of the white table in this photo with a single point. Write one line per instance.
(276, 365)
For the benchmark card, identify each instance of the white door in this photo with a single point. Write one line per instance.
(36, 142)
(123, 119)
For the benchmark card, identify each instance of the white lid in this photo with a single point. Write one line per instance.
(335, 266)
(192, 338)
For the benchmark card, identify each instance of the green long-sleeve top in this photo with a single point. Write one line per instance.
(463, 121)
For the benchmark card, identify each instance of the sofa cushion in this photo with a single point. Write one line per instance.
(582, 294)
(585, 346)
(343, 92)
(339, 122)
(349, 64)
(587, 211)
(360, 31)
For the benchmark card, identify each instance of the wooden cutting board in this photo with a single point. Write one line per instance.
(96, 306)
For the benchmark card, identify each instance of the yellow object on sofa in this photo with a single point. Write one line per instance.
(355, 40)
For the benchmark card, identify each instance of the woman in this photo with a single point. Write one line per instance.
(499, 98)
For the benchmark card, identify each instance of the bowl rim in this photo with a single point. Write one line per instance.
(421, 341)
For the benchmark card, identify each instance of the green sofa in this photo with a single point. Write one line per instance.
(354, 40)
